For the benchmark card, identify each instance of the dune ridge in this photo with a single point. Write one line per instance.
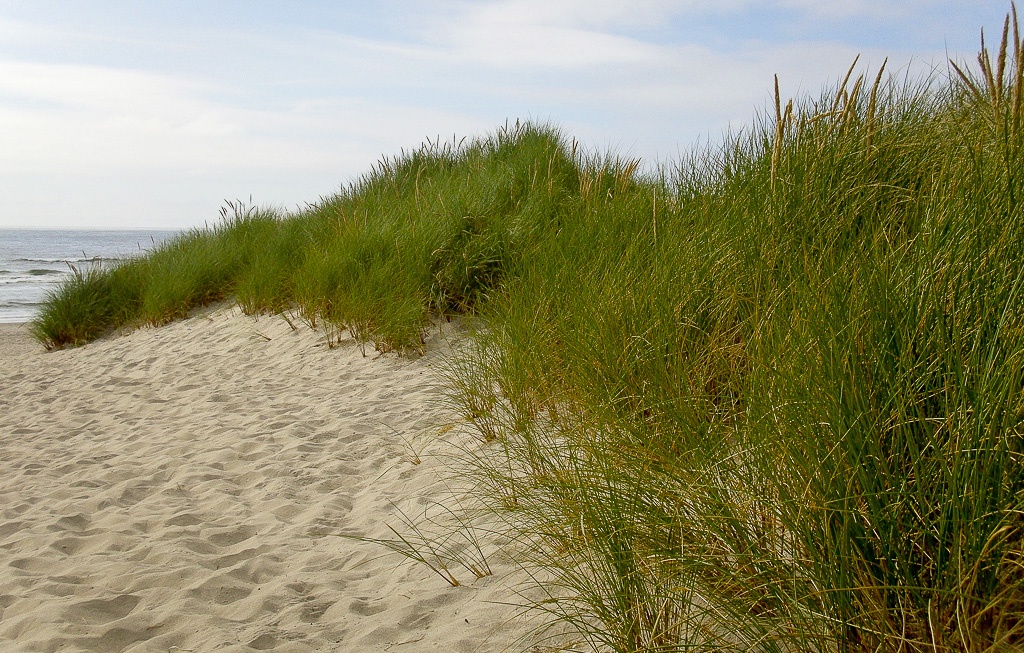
(181, 489)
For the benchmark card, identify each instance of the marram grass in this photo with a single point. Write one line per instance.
(769, 399)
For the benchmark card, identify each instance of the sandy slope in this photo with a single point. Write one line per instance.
(178, 489)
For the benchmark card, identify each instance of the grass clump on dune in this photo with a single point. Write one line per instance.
(430, 232)
(770, 399)
(773, 401)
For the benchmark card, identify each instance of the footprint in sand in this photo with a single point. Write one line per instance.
(68, 545)
(31, 469)
(35, 565)
(101, 611)
(115, 639)
(366, 608)
(184, 519)
(223, 590)
(232, 536)
(6, 600)
(11, 528)
(264, 642)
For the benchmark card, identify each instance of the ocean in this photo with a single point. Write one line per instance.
(34, 261)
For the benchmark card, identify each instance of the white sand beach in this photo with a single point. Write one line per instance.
(182, 488)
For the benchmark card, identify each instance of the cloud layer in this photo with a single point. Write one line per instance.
(116, 114)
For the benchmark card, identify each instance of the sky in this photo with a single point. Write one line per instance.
(151, 114)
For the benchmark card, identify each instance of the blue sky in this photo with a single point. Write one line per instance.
(151, 114)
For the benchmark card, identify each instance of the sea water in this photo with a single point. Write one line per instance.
(33, 262)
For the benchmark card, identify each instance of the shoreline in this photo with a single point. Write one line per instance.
(185, 487)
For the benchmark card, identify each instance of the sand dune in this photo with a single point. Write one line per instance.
(182, 488)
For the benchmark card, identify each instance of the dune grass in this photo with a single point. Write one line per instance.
(428, 233)
(769, 399)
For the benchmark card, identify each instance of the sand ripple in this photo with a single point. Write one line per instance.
(181, 488)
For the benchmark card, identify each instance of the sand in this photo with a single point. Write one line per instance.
(182, 489)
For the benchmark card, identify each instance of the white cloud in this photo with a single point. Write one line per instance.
(115, 118)
(155, 149)
(600, 15)
(289, 112)
(514, 34)
(92, 88)
(75, 115)
(877, 10)
(21, 32)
